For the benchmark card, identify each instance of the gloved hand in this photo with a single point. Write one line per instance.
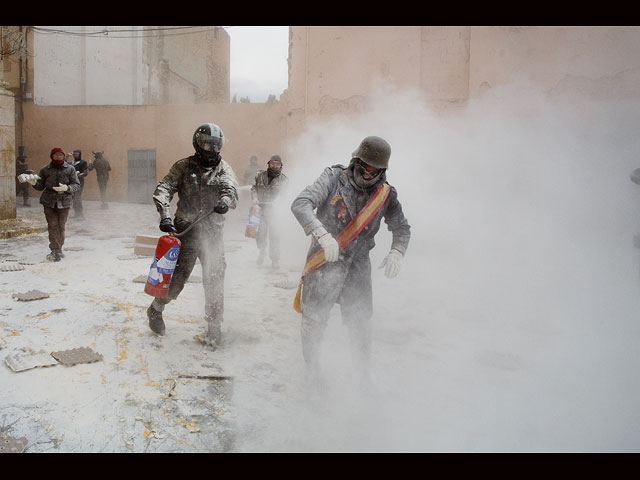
(29, 177)
(61, 188)
(221, 207)
(166, 225)
(33, 180)
(391, 263)
(330, 247)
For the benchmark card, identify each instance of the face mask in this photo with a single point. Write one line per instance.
(363, 175)
(209, 159)
(57, 163)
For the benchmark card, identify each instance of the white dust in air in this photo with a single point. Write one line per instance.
(513, 323)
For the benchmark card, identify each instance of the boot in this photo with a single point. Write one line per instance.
(261, 257)
(156, 323)
(53, 257)
(26, 203)
(59, 253)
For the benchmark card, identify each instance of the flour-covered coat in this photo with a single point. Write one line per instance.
(332, 201)
(199, 189)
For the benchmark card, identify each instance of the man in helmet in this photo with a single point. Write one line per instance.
(264, 192)
(102, 167)
(342, 211)
(81, 169)
(207, 189)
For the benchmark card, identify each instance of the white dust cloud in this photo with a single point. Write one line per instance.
(512, 325)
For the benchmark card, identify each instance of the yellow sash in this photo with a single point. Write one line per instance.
(345, 237)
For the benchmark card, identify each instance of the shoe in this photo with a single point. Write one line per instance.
(26, 204)
(59, 253)
(205, 340)
(260, 258)
(156, 323)
(53, 257)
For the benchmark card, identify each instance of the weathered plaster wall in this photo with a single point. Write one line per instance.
(602, 62)
(7, 156)
(250, 129)
(105, 70)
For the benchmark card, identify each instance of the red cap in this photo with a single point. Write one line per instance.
(56, 150)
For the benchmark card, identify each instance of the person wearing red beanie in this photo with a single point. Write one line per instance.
(58, 181)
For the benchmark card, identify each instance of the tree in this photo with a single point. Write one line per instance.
(271, 98)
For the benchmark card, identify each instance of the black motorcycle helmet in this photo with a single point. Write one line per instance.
(208, 140)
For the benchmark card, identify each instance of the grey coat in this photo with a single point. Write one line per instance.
(348, 280)
(51, 176)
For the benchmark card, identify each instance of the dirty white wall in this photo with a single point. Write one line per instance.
(7, 155)
(143, 69)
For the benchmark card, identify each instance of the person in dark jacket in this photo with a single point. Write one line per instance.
(342, 211)
(265, 190)
(207, 189)
(21, 168)
(102, 167)
(82, 171)
(58, 181)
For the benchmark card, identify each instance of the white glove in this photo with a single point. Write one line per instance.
(330, 247)
(61, 188)
(28, 177)
(392, 263)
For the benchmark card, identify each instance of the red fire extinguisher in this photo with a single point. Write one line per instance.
(165, 260)
(163, 266)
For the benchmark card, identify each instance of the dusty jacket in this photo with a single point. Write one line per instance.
(81, 169)
(102, 168)
(199, 189)
(264, 192)
(51, 176)
(335, 200)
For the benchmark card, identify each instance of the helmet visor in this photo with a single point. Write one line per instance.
(209, 143)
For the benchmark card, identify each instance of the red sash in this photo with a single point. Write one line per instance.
(345, 237)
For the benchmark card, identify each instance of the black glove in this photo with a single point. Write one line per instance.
(221, 207)
(166, 225)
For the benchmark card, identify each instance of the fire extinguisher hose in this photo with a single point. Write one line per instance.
(192, 225)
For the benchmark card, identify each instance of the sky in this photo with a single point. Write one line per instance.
(258, 61)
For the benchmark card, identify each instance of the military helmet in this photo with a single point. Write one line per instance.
(374, 151)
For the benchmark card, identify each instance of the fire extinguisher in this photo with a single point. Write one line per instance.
(165, 260)
(163, 266)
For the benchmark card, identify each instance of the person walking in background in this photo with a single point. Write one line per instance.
(342, 211)
(22, 189)
(82, 171)
(58, 181)
(250, 171)
(102, 168)
(266, 187)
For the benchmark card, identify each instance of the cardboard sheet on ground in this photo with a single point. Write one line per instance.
(26, 361)
(77, 355)
(12, 445)
(30, 296)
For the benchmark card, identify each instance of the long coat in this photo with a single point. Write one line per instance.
(348, 280)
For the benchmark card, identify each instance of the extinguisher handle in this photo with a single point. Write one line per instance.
(192, 225)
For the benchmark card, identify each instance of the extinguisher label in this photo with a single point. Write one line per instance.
(167, 263)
